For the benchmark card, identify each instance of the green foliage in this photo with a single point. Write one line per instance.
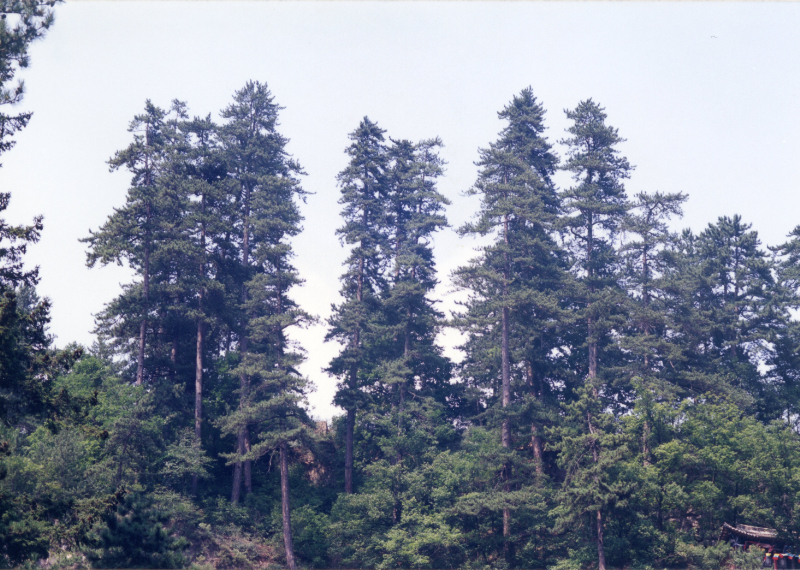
(134, 537)
(23, 535)
(624, 391)
(29, 21)
(750, 559)
(310, 529)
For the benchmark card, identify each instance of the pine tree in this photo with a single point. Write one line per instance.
(32, 19)
(729, 300)
(134, 232)
(206, 230)
(412, 377)
(272, 392)
(364, 193)
(517, 280)
(22, 329)
(590, 451)
(597, 207)
(648, 259)
(134, 537)
(256, 161)
(784, 362)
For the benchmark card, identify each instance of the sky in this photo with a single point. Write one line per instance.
(705, 94)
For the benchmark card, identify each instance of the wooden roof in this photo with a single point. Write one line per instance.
(747, 532)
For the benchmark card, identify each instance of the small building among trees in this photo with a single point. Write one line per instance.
(775, 551)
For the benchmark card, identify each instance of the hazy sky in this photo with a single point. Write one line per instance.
(706, 95)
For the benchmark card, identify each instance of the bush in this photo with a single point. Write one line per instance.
(134, 537)
(751, 559)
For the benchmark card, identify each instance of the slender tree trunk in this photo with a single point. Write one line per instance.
(198, 360)
(143, 324)
(237, 469)
(351, 413)
(198, 393)
(646, 331)
(286, 510)
(536, 439)
(590, 329)
(173, 353)
(506, 372)
(601, 554)
(140, 358)
(536, 444)
(287, 514)
(243, 439)
(601, 551)
(121, 462)
(592, 353)
(348, 459)
(397, 510)
(506, 376)
(248, 464)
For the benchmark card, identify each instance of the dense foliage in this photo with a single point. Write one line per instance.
(624, 389)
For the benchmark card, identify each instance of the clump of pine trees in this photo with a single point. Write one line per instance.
(624, 389)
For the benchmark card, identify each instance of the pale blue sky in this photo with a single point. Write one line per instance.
(706, 95)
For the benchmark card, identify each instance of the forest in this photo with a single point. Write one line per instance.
(625, 389)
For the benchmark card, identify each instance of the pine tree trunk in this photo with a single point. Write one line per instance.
(601, 552)
(198, 369)
(536, 440)
(198, 393)
(536, 444)
(143, 324)
(243, 442)
(287, 516)
(248, 464)
(242, 439)
(140, 358)
(173, 353)
(646, 330)
(592, 353)
(590, 329)
(506, 374)
(348, 459)
(146, 281)
(237, 470)
(351, 413)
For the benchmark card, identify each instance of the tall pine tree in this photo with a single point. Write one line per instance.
(596, 207)
(364, 194)
(516, 281)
